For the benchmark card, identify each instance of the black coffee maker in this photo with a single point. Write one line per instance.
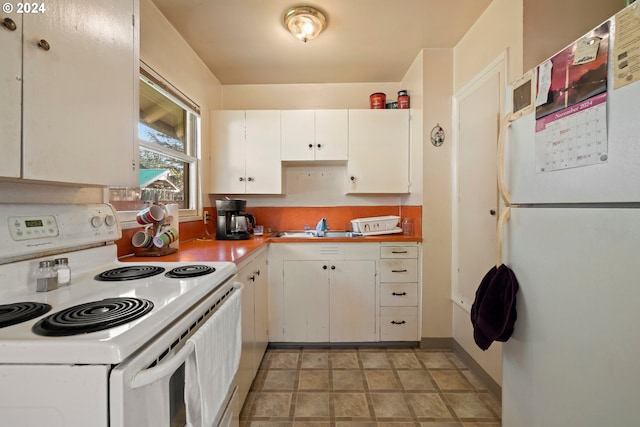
(233, 223)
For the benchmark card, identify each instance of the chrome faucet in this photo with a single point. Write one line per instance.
(321, 227)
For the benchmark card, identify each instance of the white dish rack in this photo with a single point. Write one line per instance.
(376, 225)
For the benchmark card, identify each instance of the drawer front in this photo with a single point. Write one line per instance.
(399, 294)
(399, 324)
(398, 270)
(398, 252)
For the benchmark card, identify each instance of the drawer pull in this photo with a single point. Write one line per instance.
(396, 294)
(402, 322)
(399, 252)
(399, 271)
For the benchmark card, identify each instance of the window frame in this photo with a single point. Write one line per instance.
(192, 154)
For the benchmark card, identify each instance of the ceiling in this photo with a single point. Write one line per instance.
(245, 42)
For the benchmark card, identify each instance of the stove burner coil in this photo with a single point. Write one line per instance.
(188, 271)
(18, 312)
(129, 273)
(92, 316)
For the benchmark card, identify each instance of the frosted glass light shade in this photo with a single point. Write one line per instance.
(304, 22)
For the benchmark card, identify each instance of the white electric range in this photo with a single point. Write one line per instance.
(109, 349)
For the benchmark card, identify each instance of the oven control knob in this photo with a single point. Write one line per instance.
(110, 220)
(96, 221)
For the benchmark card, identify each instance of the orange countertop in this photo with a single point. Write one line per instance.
(238, 250)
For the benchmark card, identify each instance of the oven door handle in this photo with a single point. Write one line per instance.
(164, 369)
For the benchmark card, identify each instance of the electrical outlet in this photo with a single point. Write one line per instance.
(206, 217)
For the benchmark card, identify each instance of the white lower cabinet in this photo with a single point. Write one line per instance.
(254, 276)
(305, 301)
(399, 293)
(323, 292)
(329, 301)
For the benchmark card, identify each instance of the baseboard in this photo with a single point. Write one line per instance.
(382, 344)
(437, 343)
(493, 387)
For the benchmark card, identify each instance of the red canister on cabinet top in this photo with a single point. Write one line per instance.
(403, 100)
(378, 101)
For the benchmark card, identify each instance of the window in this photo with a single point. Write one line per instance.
(169, 150)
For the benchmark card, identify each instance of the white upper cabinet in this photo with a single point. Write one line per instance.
(79, 94)
(10, 86)
(314, 135)
(378, 151)
(245, 156)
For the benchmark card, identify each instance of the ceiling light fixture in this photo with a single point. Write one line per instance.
(304, 22)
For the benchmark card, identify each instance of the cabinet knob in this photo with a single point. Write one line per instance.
(310, 146)
(324, 267)
(352, 178)
(333, 267)
(398, 294)
(492, 212)
(44, 45)
(9, 24)
(257, 273)
(241, 179)
(402, 322)
(319, 145)
(252, 278)
(399, 271)
(250, 179)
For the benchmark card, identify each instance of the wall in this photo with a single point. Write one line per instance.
(164, 50)
(546, 33)
(436, 78)
(497, 30)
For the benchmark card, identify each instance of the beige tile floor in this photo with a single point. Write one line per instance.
(367, 387)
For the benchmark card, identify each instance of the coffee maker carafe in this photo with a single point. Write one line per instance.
(233, 223)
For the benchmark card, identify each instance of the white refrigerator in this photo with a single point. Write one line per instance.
(573, 237)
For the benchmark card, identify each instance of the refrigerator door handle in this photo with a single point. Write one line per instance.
(502, 219)
(504, 125)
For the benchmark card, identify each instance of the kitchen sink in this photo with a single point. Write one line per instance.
(310, 234)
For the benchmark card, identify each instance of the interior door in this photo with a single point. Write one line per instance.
(478, 118)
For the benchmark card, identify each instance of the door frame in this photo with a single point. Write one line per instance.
(500, 66)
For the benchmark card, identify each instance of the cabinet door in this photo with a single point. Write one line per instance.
(298, 140)
(263, 166)
(228, 152)
(261, 286)
(79, 95)
(10, 88)
(306, 301)
(332, 134)
(378, 151)
(246, 368)
(353, 301)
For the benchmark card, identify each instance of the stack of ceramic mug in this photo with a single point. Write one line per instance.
(157, 231)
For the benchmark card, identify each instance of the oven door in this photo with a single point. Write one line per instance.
(148, 389)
